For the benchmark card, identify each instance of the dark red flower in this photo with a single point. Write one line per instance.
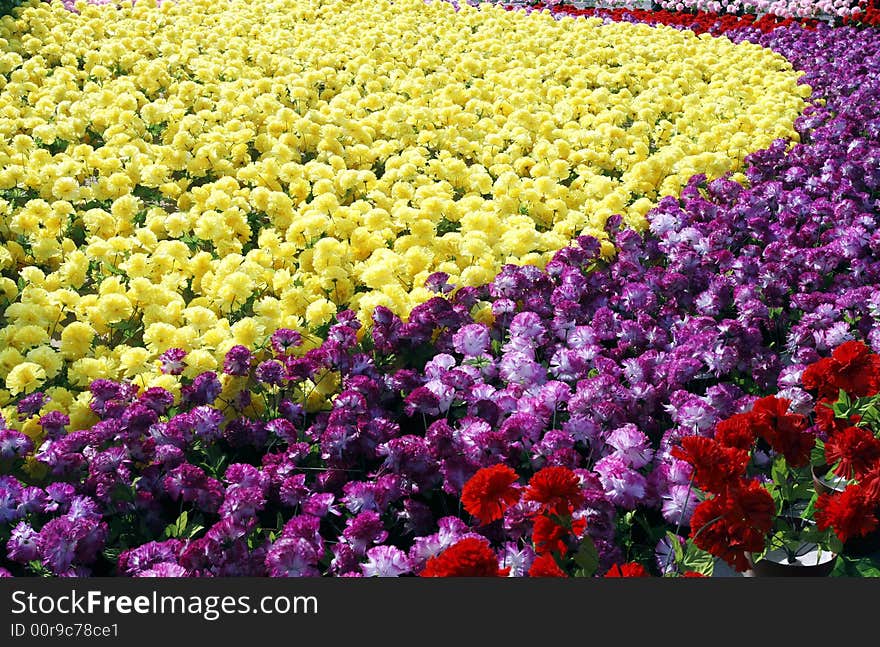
(825, 418)
(855, 449)
(850, 513)
(737, 431)
(715, 466)
(819, 377)
(556, 488)
(490, 492)
(785, 432)
(692, 574)
(545, 566)
(470, 557)
(629, 569)
(549, 536)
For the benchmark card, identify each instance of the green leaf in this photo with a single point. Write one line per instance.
(779, 471)
(697, 559)
(587, 557)
(677, 548)
(867, 568)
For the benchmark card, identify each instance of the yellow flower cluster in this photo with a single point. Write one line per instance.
(199, 174)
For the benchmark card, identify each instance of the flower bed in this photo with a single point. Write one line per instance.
(169, 201)
(526, 426)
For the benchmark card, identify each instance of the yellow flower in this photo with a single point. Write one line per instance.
(25, 377)
(76, 339)
(320, 312)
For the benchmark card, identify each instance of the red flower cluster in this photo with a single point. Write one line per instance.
(734, 523)
(868, 17)
(785, 432)
(470, 557)
(699, 22)
(630, 569)
(851, 367)
(852, 451)
(736, 519)
(490, 492)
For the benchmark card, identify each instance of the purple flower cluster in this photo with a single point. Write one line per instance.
(596, 366)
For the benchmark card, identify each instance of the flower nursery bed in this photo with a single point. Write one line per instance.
(392, 289)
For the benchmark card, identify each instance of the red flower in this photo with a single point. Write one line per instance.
(692, 574)
(819, 377)
(630, 569)
(785, 432)
(851, 367)
(545, 566)
(825, 418)
(549, 536)
(870, 484)
(857, 369)
(556, 488)
(715, 466)
(856, 449)
(490, 492)
(850, 513)
(470, 557)
(734, 523)
(737, 431)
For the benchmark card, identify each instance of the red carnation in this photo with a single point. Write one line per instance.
(549, 537)
(785, 432)
(556, 488)
(737, 431)
(857, 369)
(545, 566)
(819, 377)
(490, 492)
(734, 523)
(630, 569)
(715, 466)
(856, 449)
(825, 418)
(851, 367)
(850, 513)
(470, 557)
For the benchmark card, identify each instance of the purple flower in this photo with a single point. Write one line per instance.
(53, 424)
(631, 445)
(292, 557)
(270, 372)
(471, 340)
(238, 361)
(133, 561)
(10, 493)
(364, 530)
(156, 398)
(172, 361)
(284, 340)
(164, 569)
(679, 504)
(386, 561)
(204, 390)
(22, 544)
(14, 444)
(625, 487)
(31, 404)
